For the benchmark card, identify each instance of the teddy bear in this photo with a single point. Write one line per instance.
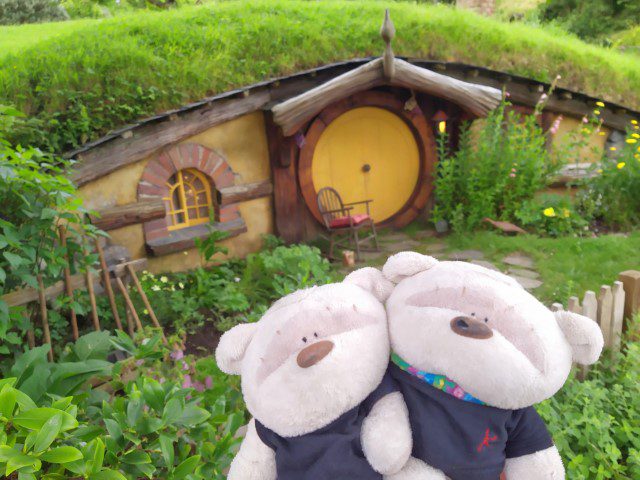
(314, 377)
(472, 352)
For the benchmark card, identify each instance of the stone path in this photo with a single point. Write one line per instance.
(519, 266)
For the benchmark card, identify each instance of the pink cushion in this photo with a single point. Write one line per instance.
(344, 221)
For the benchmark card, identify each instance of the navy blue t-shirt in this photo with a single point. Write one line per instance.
(333, 452)
(463, 439)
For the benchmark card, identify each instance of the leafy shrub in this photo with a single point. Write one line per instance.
(595, 423)
(30, 11)
(613, 194)
(493, 172)
(37, 198)
(552, 215)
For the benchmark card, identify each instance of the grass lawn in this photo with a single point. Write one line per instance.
(85, 78)
(567, 266)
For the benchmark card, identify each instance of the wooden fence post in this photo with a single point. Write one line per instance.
(590, 310)
(605, 311)
(618, 317)
(631, 281)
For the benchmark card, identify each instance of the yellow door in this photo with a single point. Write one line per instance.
(368, 153)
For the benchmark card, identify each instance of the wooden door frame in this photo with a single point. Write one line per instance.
(416, 122)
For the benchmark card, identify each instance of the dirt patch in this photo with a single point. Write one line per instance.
(203, 341)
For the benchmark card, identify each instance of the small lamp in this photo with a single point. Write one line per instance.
(440, 119)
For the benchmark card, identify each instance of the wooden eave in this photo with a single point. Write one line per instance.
(476, 99)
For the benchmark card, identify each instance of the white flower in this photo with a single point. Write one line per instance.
(155, 288)
(164, 279)
(145, 341)
(236, 279)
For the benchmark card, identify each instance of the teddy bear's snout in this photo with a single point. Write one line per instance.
(470, 327)
(314, 353)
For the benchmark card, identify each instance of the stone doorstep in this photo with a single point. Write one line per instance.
(485, 264)
(466, 255)
(521, 272)
(527, 283)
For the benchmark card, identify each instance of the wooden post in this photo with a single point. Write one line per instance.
(67, 282)
(573, 305)
(129, 320)
(106, 280)
(556, 307)
(127, 299)
(605, 313)
(590, 310)
(618, 317)
(631, 282)
(43, 316)
(145, 300)
(92, 300)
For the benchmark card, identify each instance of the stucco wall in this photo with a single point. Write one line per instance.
(592, 151)
(242, 142)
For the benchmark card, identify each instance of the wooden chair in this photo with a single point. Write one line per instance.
(340, 221)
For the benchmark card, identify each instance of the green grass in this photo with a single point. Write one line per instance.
(628, 38)
(102, 74)
(567, 266)
(15, 39)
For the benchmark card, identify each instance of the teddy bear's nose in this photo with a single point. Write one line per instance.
(314, 353)
(470, 327)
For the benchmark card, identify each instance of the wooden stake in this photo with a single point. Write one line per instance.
(92, 299)
(129, 303)
(145, 300)
(129, 320)
(67, 282)
(43, 316)
(107, 285)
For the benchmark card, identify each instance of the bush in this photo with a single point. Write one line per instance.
(551, 215)
(30, 11)
(595, 423)
(493, 172)
(613, 193)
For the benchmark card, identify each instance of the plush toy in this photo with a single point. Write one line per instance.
(314, 378)
(472, 352)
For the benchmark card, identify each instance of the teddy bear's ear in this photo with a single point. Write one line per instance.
(232, 347)
(583, 334)
(372, 280)
(406, 264)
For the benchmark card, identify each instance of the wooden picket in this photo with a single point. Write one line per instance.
(608, 309)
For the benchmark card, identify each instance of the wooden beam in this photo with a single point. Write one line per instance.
(184, 239)
(111, 156)
(129, 214)
(242, 193)
(77, 281)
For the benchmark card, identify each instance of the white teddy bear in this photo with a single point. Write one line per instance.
(472, 352)
(314, 378)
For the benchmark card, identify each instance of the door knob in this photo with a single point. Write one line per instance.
(366, 168)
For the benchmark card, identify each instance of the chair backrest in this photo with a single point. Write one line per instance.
(330, 205)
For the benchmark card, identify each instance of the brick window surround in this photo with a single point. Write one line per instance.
(153, 184)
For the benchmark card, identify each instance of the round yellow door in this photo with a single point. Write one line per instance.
(368, 153)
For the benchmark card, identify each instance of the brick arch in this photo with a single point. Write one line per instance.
(153, 184)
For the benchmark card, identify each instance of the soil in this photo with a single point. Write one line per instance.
(203, 342)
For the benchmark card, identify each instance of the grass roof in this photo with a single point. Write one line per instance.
(90, 76)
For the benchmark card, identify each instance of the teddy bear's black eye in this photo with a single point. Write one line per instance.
(304, 339)
(473, 314)
(315, 334)
(486, 319)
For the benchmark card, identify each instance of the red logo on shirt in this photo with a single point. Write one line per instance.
(487, 440)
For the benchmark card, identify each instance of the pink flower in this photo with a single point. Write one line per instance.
(208, 382)
(139, 363)
(585, 120)
(161, 380)
(507, 94)
(177, 354)
(198, 386)
(186, 382)
(513, 170)
(185, 366)
(556, 125)
(512, 175)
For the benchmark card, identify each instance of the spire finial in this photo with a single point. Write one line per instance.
(387, 32)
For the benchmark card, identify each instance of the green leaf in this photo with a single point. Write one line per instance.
(94, 345)
(26, 476)
(172, 411)
(95, 454)
(107, 475)
(61, 455)
(193, 415)
(186, 468)
(21, 460)
(114, 430)
(153, 394)
(48, 433)
(35, 418)
(14, 260)
(136, 457)
(8, 400)
(168, 452)
(7, 452)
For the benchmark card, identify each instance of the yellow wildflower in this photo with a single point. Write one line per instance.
(155, 288)
(549, 212)
(634, 122)
(613, 149)
(602, 134)
(621, 165)
(631, 140)
(164, 279)
(600, 104)
(635, 135)
(599, 170)
(145, 311)
(597, 112)
(565, 212)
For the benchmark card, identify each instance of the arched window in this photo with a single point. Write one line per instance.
(189, 201)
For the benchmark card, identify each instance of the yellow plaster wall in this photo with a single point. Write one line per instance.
(243, 143)
(592, 151)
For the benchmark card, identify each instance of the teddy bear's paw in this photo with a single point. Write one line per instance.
(416, 469)
(543, 465)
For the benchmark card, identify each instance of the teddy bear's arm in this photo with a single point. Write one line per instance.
(543, 465)
(386, 434)
(254, 460)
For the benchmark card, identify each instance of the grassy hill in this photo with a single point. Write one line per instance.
(90, 76)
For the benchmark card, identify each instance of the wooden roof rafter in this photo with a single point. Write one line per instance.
(478, 100)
